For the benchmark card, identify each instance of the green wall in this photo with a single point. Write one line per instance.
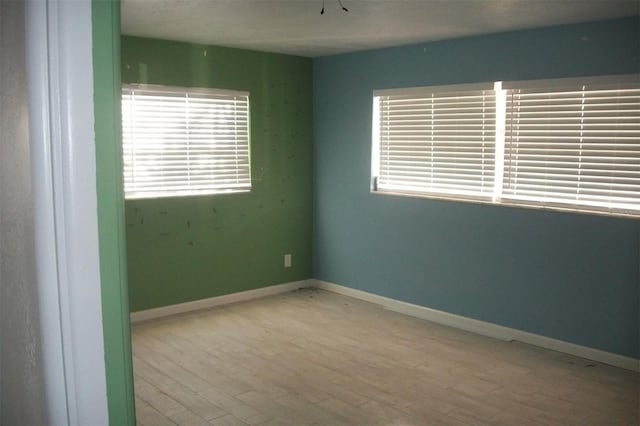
(188, 248)
(113, 276)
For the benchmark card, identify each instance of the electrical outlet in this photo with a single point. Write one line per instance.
(287, 261)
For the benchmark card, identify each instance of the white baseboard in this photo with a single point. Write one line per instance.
(241, 296)
(482, 327)
(417, 311)
(422, 312)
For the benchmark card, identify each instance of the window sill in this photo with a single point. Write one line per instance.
(512, 204)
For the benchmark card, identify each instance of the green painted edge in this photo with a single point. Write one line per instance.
(105, 16)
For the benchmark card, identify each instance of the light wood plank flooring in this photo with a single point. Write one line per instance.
(312, 357)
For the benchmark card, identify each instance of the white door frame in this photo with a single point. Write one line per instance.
(62, 140)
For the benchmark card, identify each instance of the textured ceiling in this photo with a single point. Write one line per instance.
(297, 27)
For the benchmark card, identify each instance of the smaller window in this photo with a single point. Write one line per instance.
(184, 141)
(436, 140)
(574, 145)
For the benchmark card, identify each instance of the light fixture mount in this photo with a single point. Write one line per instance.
(339, 2)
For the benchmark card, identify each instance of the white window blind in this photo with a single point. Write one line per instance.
(577, 146)
(184, 141)
(440, 143)
(568, 144)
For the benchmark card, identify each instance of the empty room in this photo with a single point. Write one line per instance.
(320, 212)
(425, 212)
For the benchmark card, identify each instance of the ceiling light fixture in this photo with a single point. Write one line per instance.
(339, 2)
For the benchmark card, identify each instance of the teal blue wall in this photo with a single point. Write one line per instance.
(567, 276)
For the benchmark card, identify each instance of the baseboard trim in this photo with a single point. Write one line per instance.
(445, 318)
(482, 327)
(210, 302)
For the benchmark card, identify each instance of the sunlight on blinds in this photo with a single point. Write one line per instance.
(184, 142)
(569, 144)
(579, 147)
(437, 142)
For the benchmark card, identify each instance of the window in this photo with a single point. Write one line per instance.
(436, 142)
(565, 144)
(575, 144)
(179, 141)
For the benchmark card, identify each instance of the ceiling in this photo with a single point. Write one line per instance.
(297, 27)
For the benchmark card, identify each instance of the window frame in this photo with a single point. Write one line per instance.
(423, 93)
(197, 93)
(502, 132)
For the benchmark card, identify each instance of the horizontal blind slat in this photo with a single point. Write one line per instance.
(437, 142)
(184, 140)
(574, 146)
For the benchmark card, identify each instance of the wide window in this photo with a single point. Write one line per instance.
(179, 141)
(565, 144)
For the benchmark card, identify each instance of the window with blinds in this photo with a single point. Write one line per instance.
(574, 145)
(566, 144)
(436, 142)
(184, 141)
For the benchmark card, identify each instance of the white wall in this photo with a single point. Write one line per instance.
(21, 379)
(52, 359)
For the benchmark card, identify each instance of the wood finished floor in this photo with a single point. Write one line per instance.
(312, 357)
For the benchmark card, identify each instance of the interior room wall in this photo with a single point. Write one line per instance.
(116, 326)
(573, 277)
(22, 399)
(188, 248)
